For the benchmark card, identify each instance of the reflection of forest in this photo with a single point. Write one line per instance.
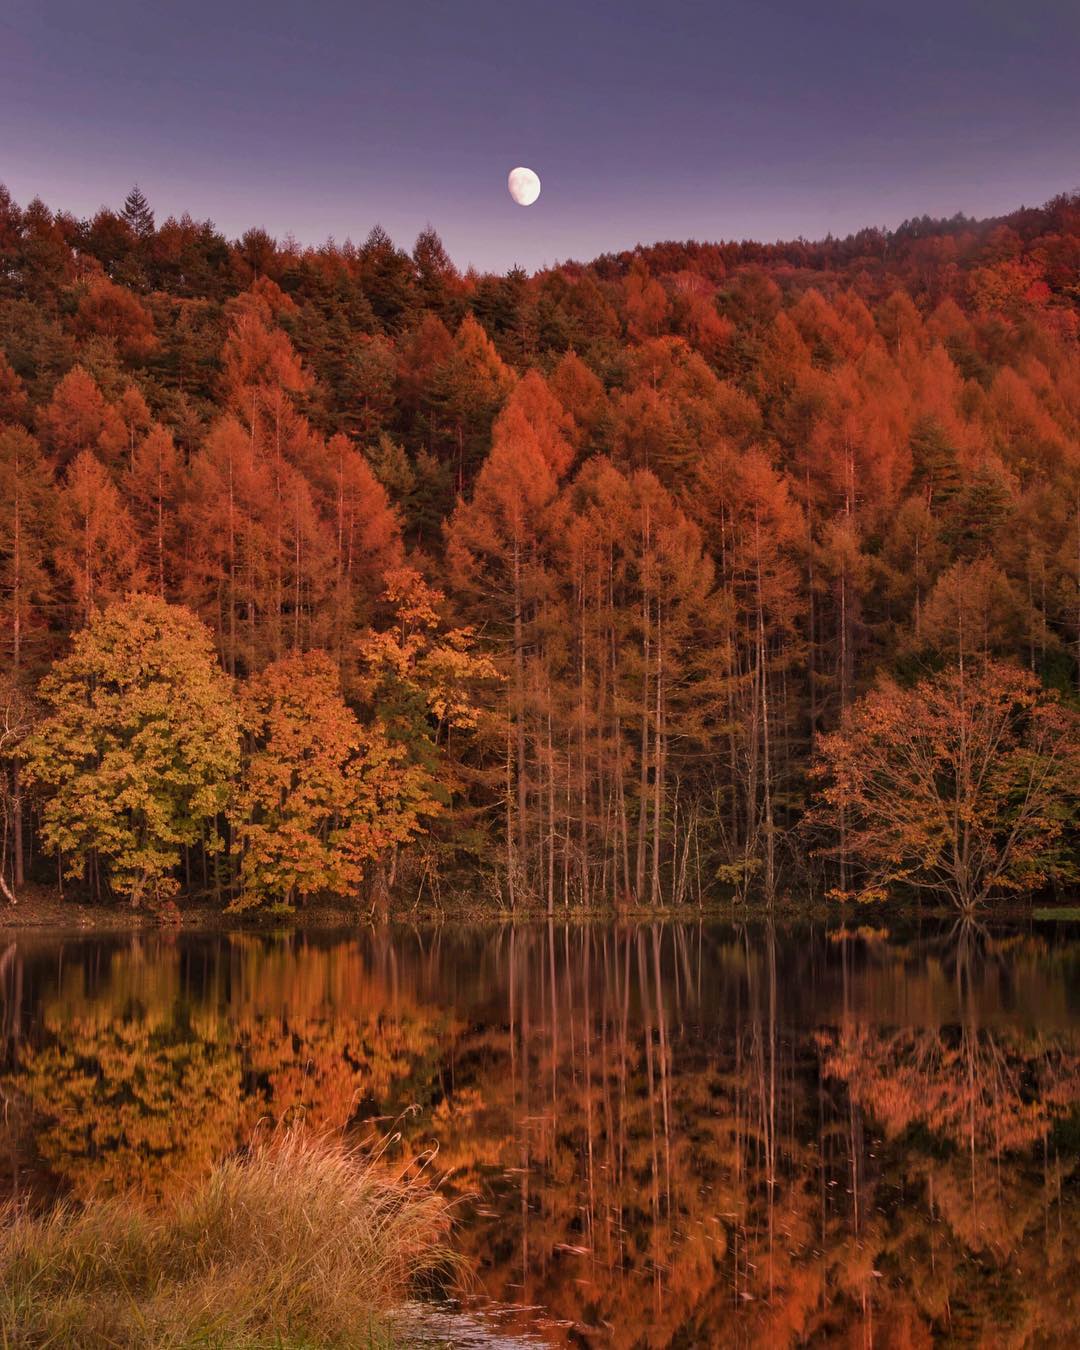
(671, 1136)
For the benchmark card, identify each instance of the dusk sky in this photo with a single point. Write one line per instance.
(765, 119)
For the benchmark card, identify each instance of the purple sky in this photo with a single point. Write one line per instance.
(763, 118)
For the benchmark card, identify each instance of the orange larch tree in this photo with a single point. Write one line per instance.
(98, 554)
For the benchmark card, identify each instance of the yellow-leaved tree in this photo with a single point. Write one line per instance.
(421, 675)
(420, 679)
(328, 798)
(135, 754)
(322, 797)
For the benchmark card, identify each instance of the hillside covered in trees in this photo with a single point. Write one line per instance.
(380, 570)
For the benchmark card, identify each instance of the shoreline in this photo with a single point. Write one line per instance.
(43, 909)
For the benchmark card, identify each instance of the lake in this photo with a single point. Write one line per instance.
(676, 1134)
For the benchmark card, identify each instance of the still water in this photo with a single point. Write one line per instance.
(664, 1135)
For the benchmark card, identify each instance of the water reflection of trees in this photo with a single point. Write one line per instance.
(143, 1075)
(673, 1136)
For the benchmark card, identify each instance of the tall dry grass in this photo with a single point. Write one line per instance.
(304, 1242)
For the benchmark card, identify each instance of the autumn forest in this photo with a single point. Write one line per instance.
(707, 568)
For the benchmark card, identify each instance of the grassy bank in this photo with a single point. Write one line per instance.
(302, 1243)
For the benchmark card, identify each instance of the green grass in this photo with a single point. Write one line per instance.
(302, 1243)
(1064, 912)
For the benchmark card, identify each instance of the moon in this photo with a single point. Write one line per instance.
(524, 186)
